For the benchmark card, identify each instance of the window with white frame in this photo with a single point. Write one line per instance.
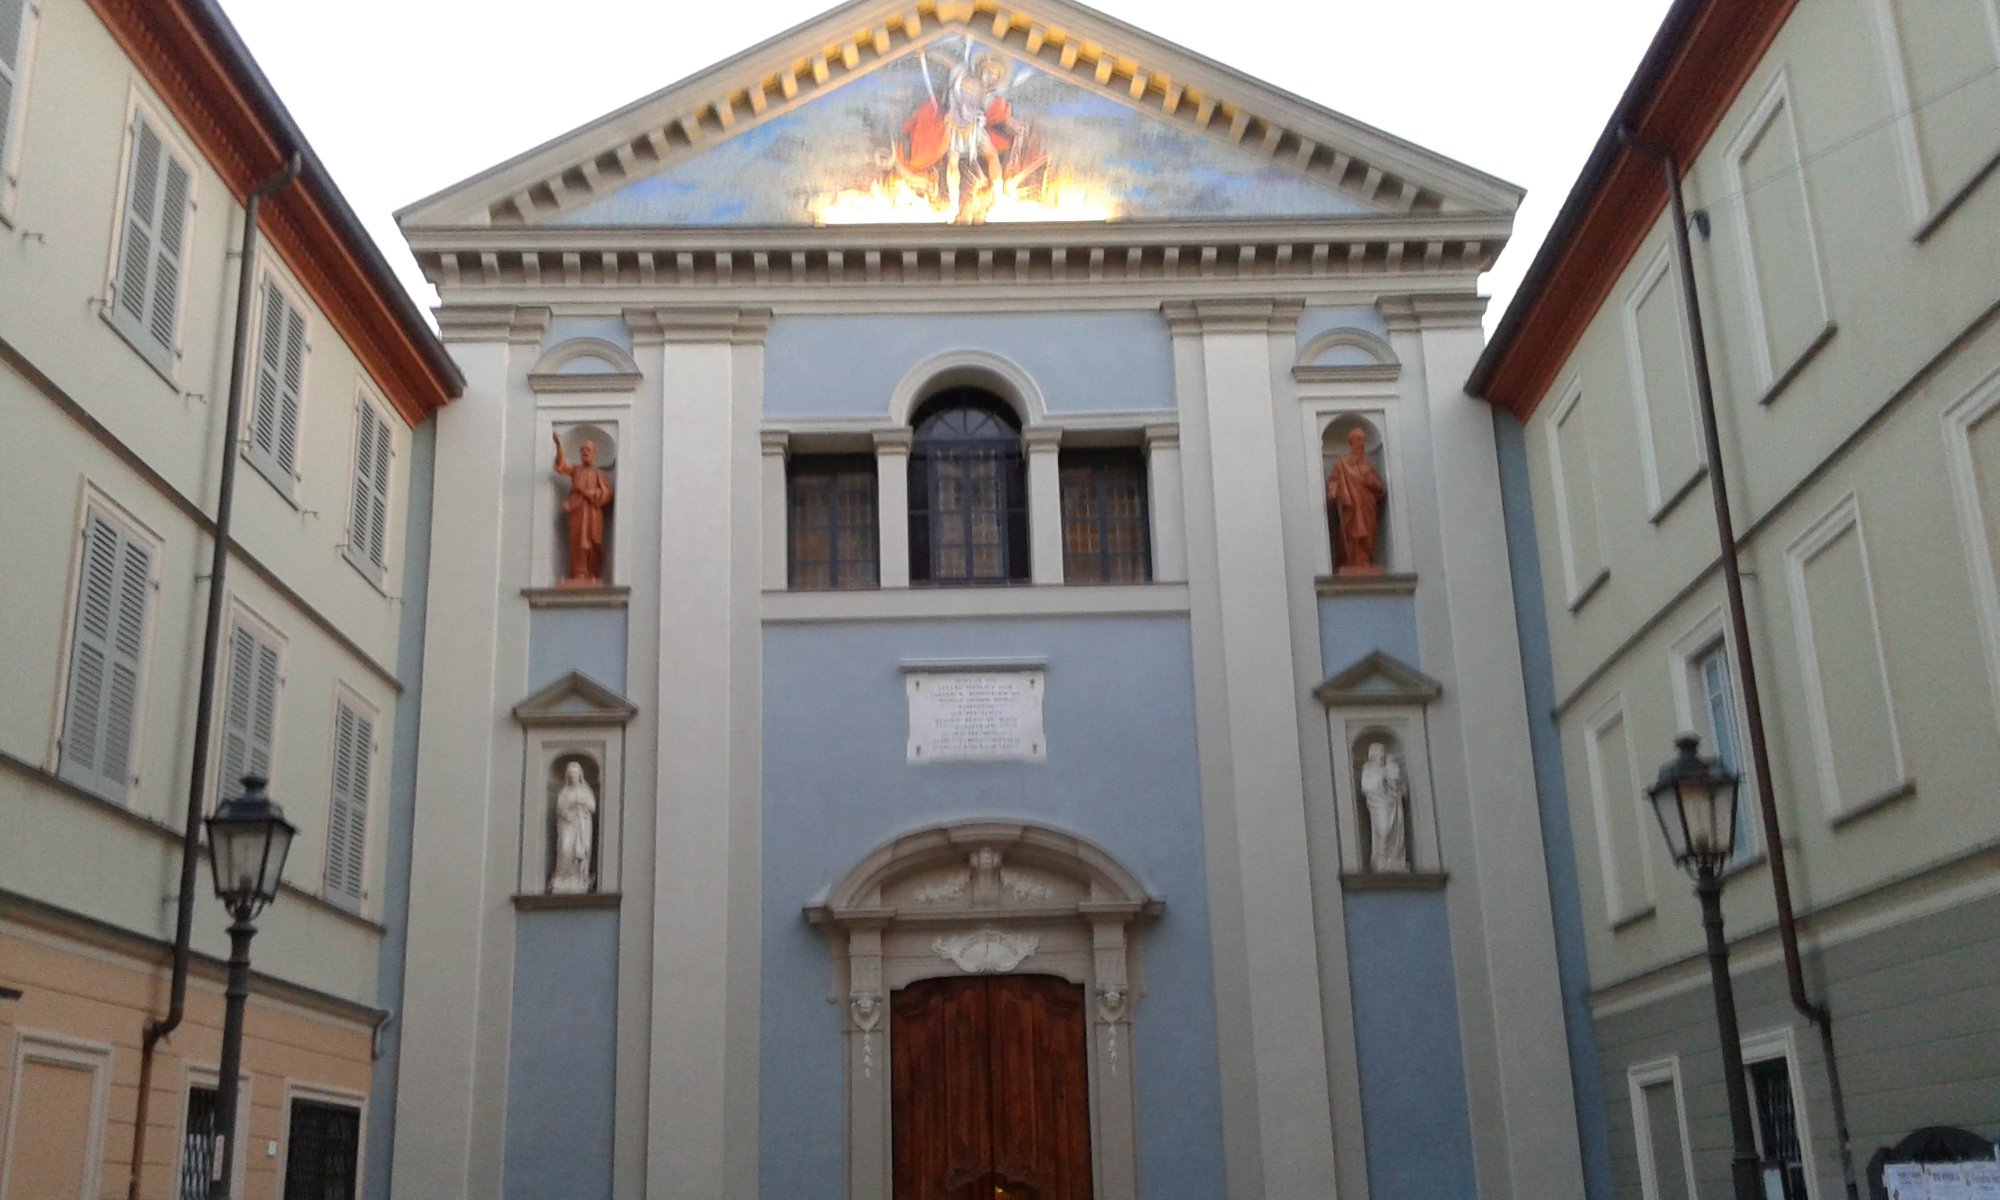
(1576, 500)
(368, 506)
(1662, 383)
(278, 397)
(1770, 1067)
(1710, 710)
(1972, 442)
(347, 808)
(1944, 77)
(17, 35)
(322, 1151)
(152, 246)
(1659, 1129)
(107, 655)
(1781, 260)
(1857, 747)
(250, 705)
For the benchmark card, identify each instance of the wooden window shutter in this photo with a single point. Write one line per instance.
(101, 713)
(274, 416)
(368, 522)
(171, 231)
(153, 246)
(142, 205)
(249, 711)
(347, 818)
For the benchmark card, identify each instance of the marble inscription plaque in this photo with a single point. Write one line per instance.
(976, 716)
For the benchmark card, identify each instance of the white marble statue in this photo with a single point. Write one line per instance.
(576, 815)
(1383, 789)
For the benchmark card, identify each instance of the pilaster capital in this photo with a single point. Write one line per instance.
(894, 441)
(777, 443)
(1187, 318)
(1407, 312)
(521, 325)
(1161, 437)
(703, 323)
(1043, 439)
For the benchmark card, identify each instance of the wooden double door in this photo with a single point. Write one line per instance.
(989, 1089)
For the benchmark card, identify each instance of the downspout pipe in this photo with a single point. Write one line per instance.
(1746, 669)
(211, 645)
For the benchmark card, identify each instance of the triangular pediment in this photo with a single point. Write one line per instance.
(1378, 678)
(962, 111)
(575, 699)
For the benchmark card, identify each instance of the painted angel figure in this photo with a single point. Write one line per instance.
(958, 136)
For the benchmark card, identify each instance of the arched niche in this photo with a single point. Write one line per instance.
(1333, 447)
(980, 898)
(981, 369)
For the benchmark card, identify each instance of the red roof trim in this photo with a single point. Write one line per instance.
(193, 58)
(1697, 64)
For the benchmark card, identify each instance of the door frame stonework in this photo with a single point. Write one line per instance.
(977, 898)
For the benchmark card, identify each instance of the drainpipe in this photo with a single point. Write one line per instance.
(1753, 708)
(211, 642)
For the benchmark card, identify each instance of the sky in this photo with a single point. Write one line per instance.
(402, 98)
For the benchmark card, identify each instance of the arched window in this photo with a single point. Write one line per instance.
(968, 492)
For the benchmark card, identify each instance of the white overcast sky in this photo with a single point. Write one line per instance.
(404, 97)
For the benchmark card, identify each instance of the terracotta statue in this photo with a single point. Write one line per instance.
(1383, 790)
(576, 815)
(1354, 491)
(589, 495)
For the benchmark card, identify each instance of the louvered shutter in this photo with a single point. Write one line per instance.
(368, 532)
(171, 231)
(347, 818)
(101, 714)
(249, 711)
(13, 28)
(142, 206)
(153, 246)
(281, 363)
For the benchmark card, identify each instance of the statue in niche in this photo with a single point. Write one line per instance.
(589, 495)
(1384, 791)
(576, 820)
(1354, 493)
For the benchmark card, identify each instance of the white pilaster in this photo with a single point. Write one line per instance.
(1247, 728)
(1164, 502)
(1503, 940)
(892, 504)
(452, 1086)
(776, 566)
(1045, 532)
(708, 706)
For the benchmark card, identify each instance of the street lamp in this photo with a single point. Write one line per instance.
(248, 838)
(1695, 801)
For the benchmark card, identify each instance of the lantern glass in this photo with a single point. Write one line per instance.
(1695, 802)
(248, 841)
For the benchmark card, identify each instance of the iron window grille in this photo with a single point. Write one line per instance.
(198, 1145)
(1105, 534)
(1778, 1124)
(322, 1151)
(968, 493)
(833, 525)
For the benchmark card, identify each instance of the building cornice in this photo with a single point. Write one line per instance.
(467, 261)
(1698, 62)
(194, 60)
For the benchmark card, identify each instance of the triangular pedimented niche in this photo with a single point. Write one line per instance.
(963, 111)
(575, 699)
(1378, 678)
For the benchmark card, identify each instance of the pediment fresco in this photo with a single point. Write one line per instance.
(957, 130)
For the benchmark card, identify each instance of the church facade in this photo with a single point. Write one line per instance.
(971, 649)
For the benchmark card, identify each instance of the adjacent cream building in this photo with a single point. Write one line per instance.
(1845, 226)
(128, 133)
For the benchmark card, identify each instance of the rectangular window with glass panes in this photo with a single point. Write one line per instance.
(834, 529)
(1105, 533)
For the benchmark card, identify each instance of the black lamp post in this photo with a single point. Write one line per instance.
(248, 838)
(1695, 800)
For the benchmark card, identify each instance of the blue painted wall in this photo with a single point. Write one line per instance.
(1315, 321)
(1413, 1108)
(1552, 797)
(562, 1055)
(837, 366)
(401, 813)
(1351, 626)
(1122, 772)
(564, 328)
(590, 640)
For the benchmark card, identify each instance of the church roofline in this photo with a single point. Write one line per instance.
(1063, 37)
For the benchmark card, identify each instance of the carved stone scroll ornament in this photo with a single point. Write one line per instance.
(1111, 1003)
(943, 890)
(866, 1009)
(1025, 887)
(986, 951)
